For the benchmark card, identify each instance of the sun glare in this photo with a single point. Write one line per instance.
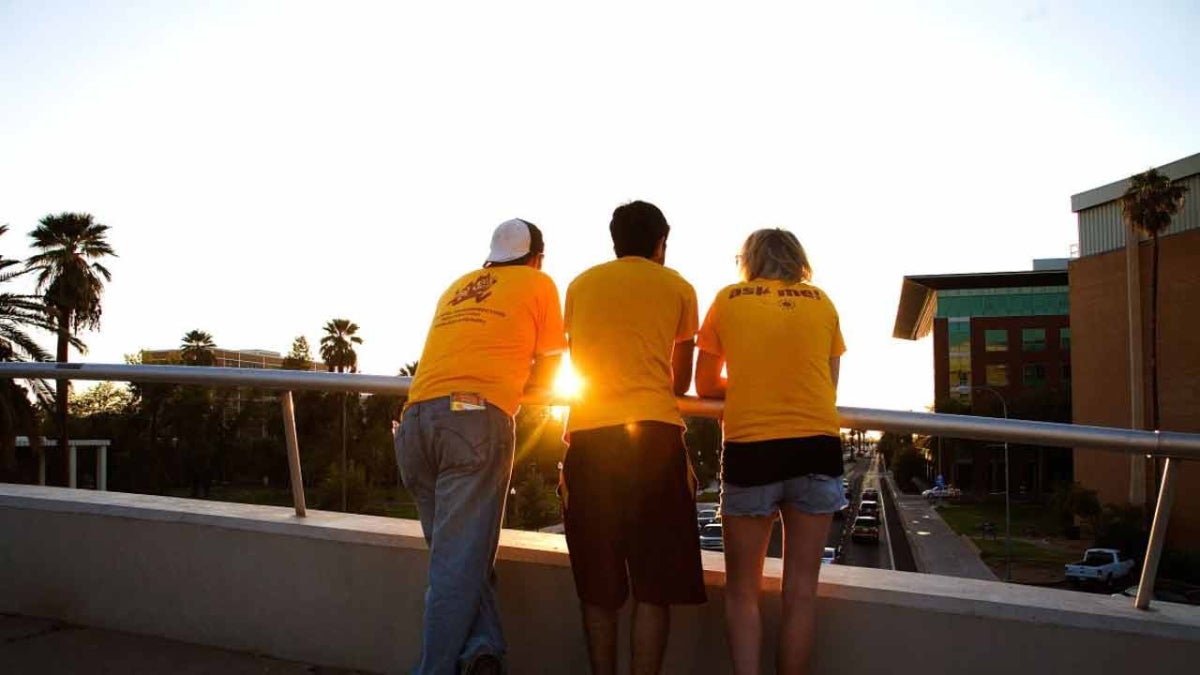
(567, 384)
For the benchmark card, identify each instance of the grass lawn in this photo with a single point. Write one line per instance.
(1038, 553)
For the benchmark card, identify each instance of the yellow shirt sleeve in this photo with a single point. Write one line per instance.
(550, 337)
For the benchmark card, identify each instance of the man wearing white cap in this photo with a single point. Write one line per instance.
(497, 332)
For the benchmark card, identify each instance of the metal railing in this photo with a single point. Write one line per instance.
(1174, 446)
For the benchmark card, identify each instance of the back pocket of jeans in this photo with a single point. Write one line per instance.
(465, 440)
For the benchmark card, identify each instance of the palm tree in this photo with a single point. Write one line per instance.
(71, 282)
(337, 347)
(19, 313)
(1148, 206)
(409, 369)
(337, 351)
(197, 349)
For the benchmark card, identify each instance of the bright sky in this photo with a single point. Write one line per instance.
(268, 166)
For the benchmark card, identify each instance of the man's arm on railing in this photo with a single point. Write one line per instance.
(681, 365)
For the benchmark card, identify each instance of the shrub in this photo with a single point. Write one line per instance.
(329, 491)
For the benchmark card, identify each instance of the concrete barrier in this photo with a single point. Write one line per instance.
(346, 591)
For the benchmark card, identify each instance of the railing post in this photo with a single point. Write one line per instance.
(71, 464)
(1158, 533)
(293, 450)
(41, 454)
(102, 468)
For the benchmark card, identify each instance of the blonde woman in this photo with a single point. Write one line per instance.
(777, 337)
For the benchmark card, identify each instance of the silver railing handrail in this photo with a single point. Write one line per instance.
(1174, 446)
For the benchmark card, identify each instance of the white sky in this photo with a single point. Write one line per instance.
(268, 166)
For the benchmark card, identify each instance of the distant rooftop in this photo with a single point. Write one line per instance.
(918, 294)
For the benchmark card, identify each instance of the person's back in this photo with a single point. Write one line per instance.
(625, 317)
(495, 330)
(627, 488)
(485, 334)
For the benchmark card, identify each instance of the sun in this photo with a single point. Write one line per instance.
(567, 384)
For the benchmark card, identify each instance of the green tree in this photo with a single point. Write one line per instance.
(197, 349)
(337, 346)
(337, 350)
(69, 246)
(409, 369)
(106, 398)
(300, 358)
(1148, 206)
(18, 314)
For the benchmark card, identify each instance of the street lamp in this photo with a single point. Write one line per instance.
(1007, 513)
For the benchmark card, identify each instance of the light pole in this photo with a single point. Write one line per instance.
(1007, 512)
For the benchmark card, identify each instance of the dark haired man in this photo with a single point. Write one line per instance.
(628, 490)
(497, 332)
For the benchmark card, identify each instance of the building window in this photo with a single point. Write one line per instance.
(1034, 375)
(1033, 339)
(995, 340)
(997, 375)
(1064, 339)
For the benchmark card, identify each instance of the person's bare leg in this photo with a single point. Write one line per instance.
(648, 637)
(803, 542)
(746, 540)
(600, 628)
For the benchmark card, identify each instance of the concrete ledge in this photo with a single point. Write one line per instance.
(347, 590)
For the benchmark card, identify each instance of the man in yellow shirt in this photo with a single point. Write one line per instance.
(627, 486)
(497, 332)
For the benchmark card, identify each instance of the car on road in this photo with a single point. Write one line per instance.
(868, 508)
(871, 494)
(866, 528)
(711, 539)
(831, 556)
(942, 493)
(706, 515)
(1103, 565)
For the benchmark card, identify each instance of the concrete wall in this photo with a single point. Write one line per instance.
(1100, 371)
(345, 590)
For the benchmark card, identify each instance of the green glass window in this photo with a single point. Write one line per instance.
(1064, 339)
(997, 375)
(1034, 375)
(1033, 339)
(995, 340)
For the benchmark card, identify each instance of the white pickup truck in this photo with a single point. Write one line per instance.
(1100, 564)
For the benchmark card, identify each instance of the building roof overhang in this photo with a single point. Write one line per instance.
(1181, 168)
(918, 294)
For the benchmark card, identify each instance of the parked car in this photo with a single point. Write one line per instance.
(942, 493)
(706, 515)
(1168, 590)
(831, 556)
(1100, 564)
(868, 508)
(711, 539)
(866, 528)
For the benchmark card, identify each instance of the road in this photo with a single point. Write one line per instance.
(862, 474)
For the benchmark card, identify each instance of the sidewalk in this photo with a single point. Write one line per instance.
(29, 645)
(937, 548)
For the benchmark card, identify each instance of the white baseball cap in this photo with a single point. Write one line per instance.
(512, 239)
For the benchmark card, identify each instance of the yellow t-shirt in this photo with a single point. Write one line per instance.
(624, 318)
(488, 327)
(776, 339)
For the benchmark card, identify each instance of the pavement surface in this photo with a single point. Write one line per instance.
(936, 548)
(29, 645)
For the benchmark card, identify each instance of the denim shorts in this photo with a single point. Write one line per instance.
(814, 494)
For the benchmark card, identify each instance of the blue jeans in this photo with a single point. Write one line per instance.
(457, 465)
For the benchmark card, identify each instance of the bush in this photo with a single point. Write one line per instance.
(535, 504)
(907, 465)
(329, 491)
(1120, 526)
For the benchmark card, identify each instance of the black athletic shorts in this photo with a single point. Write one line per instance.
(629, 503)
